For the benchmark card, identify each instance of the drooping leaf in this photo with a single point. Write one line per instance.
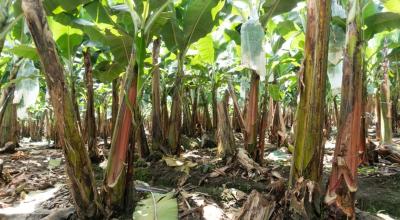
(158, 24)
(98, 13)
(285, 27)
(107, 71)
(381, 21)
(154, 5)
(108, 35)
(393, 38)
(339, 13)
(119, 43)
(392, 5)
(66, 37)
(17, 31)
(205, 48)
(369, 9)
(156, 20)
(275, 92)
(25, 51)
(198, 19)
(7, 19)
(171, 33)
(233, 35)
(107, 32)
(9, 25)
(59, 6)
(53, 7)
(276, 7)
(395, 54)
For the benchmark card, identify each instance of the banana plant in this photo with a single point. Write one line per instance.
(343, 179)
(10, 16)
(382, 57)
(196, 21)
(310, 114)
(253, 58)
(98, 25)
(147, 17)
(78, 166)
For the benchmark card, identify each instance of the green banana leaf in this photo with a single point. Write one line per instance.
(157, 207)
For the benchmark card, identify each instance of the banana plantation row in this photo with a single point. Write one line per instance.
(284, 72)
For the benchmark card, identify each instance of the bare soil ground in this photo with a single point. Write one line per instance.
(33, 184)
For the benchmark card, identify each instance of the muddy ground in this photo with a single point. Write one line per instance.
(33, 183)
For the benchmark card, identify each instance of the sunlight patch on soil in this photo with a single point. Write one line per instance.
(384, 216)
(211, 211)
(279, 155)
(192, 153)
(31, 201)
(26, 143)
